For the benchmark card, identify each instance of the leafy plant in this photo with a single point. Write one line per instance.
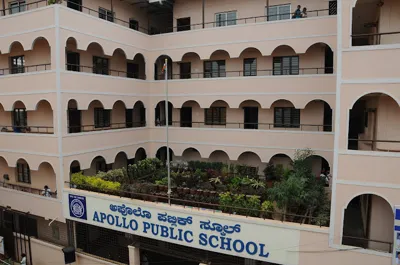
(163, 181)
(216, 180)
(257, 184)
(52, 2)
(94, 183)
(267, 208)
(118, 175)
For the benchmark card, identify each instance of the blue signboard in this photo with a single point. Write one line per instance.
(77, 206)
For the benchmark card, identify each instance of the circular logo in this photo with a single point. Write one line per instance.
(77, 208)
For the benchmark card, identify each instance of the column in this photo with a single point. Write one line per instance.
(134, 255)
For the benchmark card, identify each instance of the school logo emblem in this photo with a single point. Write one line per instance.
(77, 207)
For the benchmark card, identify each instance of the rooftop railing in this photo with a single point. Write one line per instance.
(27, 189)
(103, 71)
(111, 126)
(366, 243)
(376, 38)
(27, 129)
(25, 69)
(22, 7)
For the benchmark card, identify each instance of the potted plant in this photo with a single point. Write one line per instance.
(186, 190)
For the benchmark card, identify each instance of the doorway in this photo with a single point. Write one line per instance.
(132, 70)
(356, 124)
(327, 118)
(183, 24)
(129, 118)
(75, 4)
(73, 61)
(328, 60)
(250, 117)
(74, 120)
(185, 70)
(186, 117)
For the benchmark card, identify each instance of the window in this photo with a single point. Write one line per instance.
(332, 8)
(100, 65)
(17, 6)
(133, 24)
(288, 65)
(279, 12)
(17, 64)
(23, 173)
(19, 118)
(106, 14)
(250, 67)
(185, 70)
(287, 117)
(225, 19)
(183, 24)
(215, 116)
(214, 69)
(102, 118)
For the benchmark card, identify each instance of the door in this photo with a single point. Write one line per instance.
(328, 60)
(185, 70)
(75, 4)
(73, 61)
(183, 24)
(132, 70)
(327, 118)
(186, 117)
(129, 118)
(250, 117)
(74, 120)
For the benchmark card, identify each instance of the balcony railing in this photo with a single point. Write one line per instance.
(250, 126)
(375, 38)
(23, 7)
(27, 189)
(112, 126)
(175, 200)
(365, 243)
(154, 31)
(25, 69)
(267, 72)
(374, 145)
(103, 71)
(27, 129)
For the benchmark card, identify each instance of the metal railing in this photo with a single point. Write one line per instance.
(365, 243)
(103, 71)
(25, 69)
(27, 129)
(27, 189)
(158, 198)
(23, 7)
(248, 125)
(112, 126)
(372, 145)
(241, 73)
(374, 38)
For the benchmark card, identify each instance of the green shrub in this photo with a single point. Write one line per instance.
(52, 2)
(267, 208)
(163, 181)
(119, 175)
(203, 166)
(94, 183)
(145, 169)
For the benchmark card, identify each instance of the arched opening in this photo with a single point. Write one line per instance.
(74, 117)
(191, 154)
(285, 115)
(19, 117)
(281, 160)
(317, 116)
(137, 67)
(372, 17)
(140, 155)
(6, 171)
(4, 119)
(162, 154)
(318, 165)
(39, 58)
(73, 56)
(75, 167)
(318, 59)
(219, 156)
(119, 64)
(368, 223)
(159, 68)
(98, 164)
(120, 116)
(121, 161)
(216, 114)
(253, 161)
(139, 115)
(17, 64)
(251, 109)
(285, 61)
(101, 63)
(160, 114)
(23, 172)
(41, 120)
(96, 117)
(216, 66)
(190, 60)
(45, 176)
(253, 63)
(373, 124)
(191, 114)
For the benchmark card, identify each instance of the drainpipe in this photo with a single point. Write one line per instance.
(4, 8)
(203, 11)
(267, 8)
(112, 8)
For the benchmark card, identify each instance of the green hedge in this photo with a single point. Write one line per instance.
(87, 182)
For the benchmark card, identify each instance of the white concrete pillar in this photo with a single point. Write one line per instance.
(134, 255)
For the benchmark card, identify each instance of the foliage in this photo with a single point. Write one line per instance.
(267, 208)
(163, 181)
(179, 165)
(204, 166)
(299, 192)
(52, 2)
(239, 203)
(93, 183)
(117, 175)
(149, 168)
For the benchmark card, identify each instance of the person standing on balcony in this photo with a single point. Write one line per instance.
(304, 13)
(46, 192)
(23, 259)
(297, 13)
